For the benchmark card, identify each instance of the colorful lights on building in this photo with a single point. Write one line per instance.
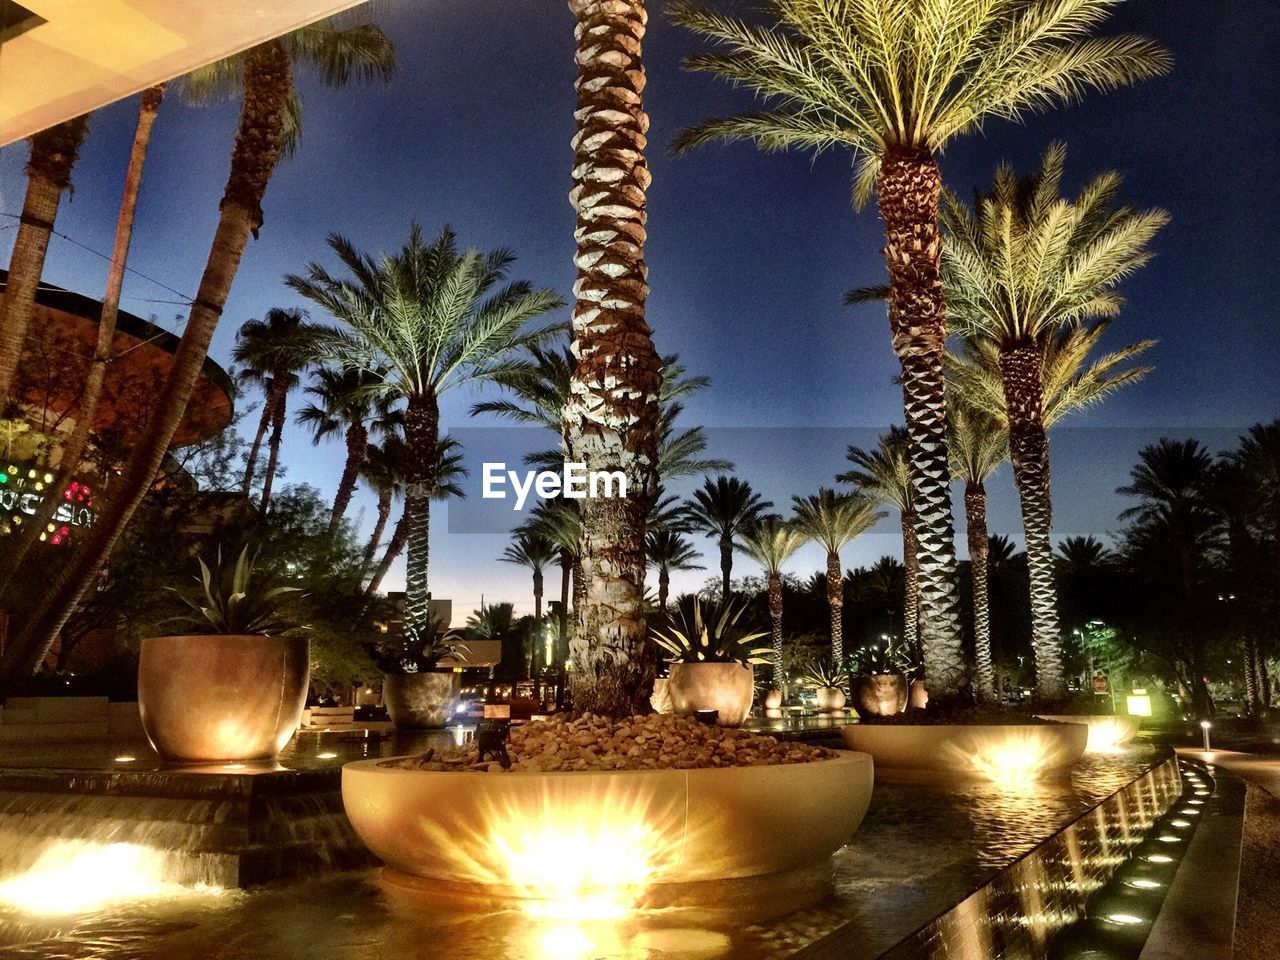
(24, 486)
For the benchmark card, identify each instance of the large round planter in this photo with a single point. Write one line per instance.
(917, 696)
(698, 832)
(421, 701)
(879, 694)
(1106, 731)
(728, 688)
(773, 700)
(830, 699)
(222, 698)
(969, 749)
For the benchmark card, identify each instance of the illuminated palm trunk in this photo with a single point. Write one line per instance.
(399, 537)
(975, 512)
(775, 627)
(422, 435)
(835, 606)
(53, 154)
(911, 585)
(268, 86)
(357, 442)
(1029, 453)
(612, 412)
(908, 186)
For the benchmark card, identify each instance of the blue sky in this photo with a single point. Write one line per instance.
(749, 254)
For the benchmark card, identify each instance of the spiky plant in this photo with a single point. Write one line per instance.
(894, 81)
(772, 542)
(240, 599)
(833, 520)
(714, 638)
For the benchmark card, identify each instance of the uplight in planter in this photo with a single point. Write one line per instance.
(1014, 760)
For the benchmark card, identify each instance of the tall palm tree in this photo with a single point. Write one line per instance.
(669, 549)
(612, 418)
(559, 522)
(833, 520)
(722, 509)
(53, 154)
(978, 445)
(770, 541)
(267, 353)
(419, 323)
(895, 81)
(447, 471)
(345, 405)
(383, 470)
(535, 552)
(1020, 266)
(269, 118)
(77, 443)
(884, 475)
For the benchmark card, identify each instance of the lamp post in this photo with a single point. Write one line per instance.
(1204, 730)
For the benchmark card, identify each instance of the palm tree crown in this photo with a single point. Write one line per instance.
(722, 508)
(771, 542)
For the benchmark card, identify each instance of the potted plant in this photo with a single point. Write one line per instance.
(879, 685)
(233, 685)
(712, 664)
(417, 692)
(830, 681)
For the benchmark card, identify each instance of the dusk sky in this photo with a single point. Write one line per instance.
(749, 254)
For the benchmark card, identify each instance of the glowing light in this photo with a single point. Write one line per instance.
(1169, 838)
(233, 766)
(1106, 734)
(1123, 918)
(1196, 802)
(1014, 761)
(326, 756)
(76, 876)
(1143, 884)
(1202, 793)
(1181, 823)
(1138, 704)
(1189, 812)
(125, 759)
(1159, 858)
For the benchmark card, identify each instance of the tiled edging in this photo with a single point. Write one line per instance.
(1020, 910)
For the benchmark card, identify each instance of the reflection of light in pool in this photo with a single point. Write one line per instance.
(326, 756)
(124, 759)
(77, 876)
(1014, 760)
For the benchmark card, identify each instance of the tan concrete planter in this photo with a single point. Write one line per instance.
(879, 694)
(968, 749)
(1106, 731)
(830, 699)
(917, 695)
(222, 698)
(421, 701)
(773, 700)
(694, 825)
(726, 687)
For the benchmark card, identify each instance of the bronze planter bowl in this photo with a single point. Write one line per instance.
(421, 701)
(728, 688)
(217, 698)
(879, 694)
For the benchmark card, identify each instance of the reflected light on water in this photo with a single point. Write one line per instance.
(1014, 761)
(76, 876)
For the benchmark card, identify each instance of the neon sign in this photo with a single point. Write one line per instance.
(23, 487)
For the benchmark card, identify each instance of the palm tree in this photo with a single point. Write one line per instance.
(722, 509)
(833, 520)
(267, 353)
(419, 323)
(447, 471)
(345, 405)
(87, 403)
(669, 549)
(535, 552)
(612, 418)
(978, 445)
(383, 470)
(883, 474)
(771, 542)
(269, 115)
(1082, 554)
(53, 154)
(558, 522)
(1019, 267)
(894, 81)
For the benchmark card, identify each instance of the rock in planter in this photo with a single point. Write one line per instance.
(727, 688)
(222, 697)
(879, 694)
(421, 701)
(830, 699)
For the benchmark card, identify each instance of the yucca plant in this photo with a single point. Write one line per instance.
(712, 639)
(240, 600)
(419, 653)
(825, 673)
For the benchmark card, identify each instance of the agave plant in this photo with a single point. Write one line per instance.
(240, 600)
(881, 658)
(712, 639)
(825, 673)
(420, 654)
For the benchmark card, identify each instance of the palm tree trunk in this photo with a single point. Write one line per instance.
(53, 154)
(835, 606)
(280, 388)
(612, 413)
(566, 580)
(975, 513)
(908, 186)
(422, 435)
(775, 627)
(357, 444)
(87, 406)
(268, 86)
(664, 587)
(1251, 697)
(726, 569)
(399, 537)
(384, 512)
(911, 586)
(1029, 453)
(537, 594)
(264, 421)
